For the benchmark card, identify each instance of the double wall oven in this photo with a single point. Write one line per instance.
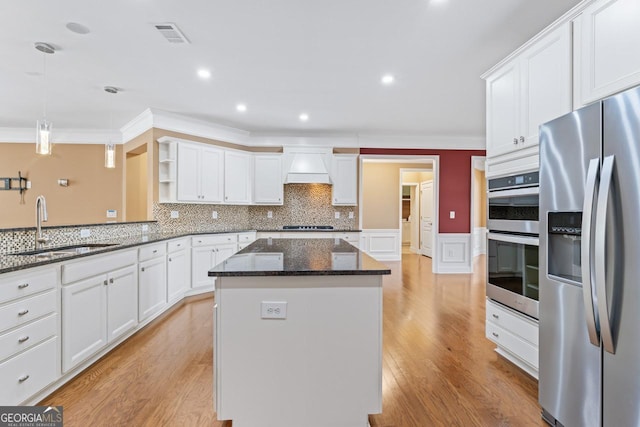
(512, 242)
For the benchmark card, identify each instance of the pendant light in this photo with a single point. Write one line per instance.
(110, 146)
(44, 126)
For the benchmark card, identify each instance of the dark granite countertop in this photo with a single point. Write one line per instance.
(10, 263)
(299, 257)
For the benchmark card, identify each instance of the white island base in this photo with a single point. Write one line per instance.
(321, 366)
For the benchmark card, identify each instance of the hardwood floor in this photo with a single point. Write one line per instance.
(439, 369)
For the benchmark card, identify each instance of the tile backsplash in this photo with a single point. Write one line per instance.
(304, 204)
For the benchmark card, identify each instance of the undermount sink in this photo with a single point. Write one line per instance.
(66, 250)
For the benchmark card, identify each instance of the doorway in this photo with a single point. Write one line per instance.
(478, 215)
(418, 210)
(136, 184)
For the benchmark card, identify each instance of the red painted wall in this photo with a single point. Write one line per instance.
(455, 183)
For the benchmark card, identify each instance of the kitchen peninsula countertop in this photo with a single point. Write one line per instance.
(9, 263)
(299, 257)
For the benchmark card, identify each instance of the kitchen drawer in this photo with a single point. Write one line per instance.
(151, 251)
(349, 237)
(97, 264)
(29, 372)
(24, 283)
(515, 345)
(177, 245)
(25, 310)
(515, 323)
(246, 237)
(27, 336)
(268, 235)
(214, 239)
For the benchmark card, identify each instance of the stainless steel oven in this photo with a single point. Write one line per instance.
(512, 242)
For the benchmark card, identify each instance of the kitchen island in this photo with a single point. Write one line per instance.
(298, 335)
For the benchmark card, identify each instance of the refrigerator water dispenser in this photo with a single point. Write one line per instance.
(565, 237)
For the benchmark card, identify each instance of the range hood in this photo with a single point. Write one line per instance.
(307, 165)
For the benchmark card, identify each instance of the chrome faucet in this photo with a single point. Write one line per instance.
(41, 215)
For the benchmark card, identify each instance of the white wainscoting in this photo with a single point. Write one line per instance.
(454, 254)
(383, 245)
(479, 241)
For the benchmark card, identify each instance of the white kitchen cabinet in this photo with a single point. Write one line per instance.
(268, 188)
(152, 287)
(207, 252)
(532, 88)
(96, 311)
(344, 174)
(607, 36)
(167, 170)
(199, 173)
(178, 269)
(515, 334)
(238, 177)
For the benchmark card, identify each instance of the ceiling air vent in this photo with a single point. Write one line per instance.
(171, 32)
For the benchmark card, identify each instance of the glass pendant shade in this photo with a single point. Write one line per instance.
(110, 155)
(43, 137)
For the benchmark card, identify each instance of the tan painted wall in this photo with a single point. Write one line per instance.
(92, 188)
(136, 187)
(479, 199)
(414, 177)
(381, 194)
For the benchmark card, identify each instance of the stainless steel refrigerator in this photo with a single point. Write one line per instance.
(590, 265)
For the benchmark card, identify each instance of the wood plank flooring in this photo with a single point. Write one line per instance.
(439, 369)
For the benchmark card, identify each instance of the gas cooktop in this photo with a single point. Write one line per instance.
(307, 227)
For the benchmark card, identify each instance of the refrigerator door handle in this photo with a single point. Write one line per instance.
(600, 252)
(593, 176)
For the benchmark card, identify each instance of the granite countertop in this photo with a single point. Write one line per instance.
(299, 257)
(333, 230)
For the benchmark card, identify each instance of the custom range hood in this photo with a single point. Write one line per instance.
(307, 165)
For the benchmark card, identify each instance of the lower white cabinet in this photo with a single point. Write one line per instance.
(152, 287)
(95, 312)
(515, 334)
(178, 274)
(207, 252)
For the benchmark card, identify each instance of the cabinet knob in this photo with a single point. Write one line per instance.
(495, 316)
(23, 312)
(179, 244)
(23, 339)
(515, 140)
(23, 378)
(155, 251)
(495, 335)
(169, 259)
(105, 283)
(142, 269)
(111, 280)
(521, 138)
(22, 286)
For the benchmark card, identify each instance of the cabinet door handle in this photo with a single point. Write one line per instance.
(23, 378)
(495, 335)
(521, 138)
(155, 251)
(169, 259)
(111, 280)
(23, 339)
(23, 312)
(495, 316)
(515, 140)
(105, 283)
(22, 286)
(179, 244)
(142, 269)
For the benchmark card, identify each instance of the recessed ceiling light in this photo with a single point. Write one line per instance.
(204, 74)
(74, 27)
(241, 107)
(387, 79)
(304, 117)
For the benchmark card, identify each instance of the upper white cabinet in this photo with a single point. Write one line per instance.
(344, 174)
(531, 89)
(199, 173)
(238, 177)
(267, 179)
(607, 37)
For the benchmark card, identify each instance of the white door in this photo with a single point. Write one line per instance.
(267, 183)
(426, 218)
(202, 260)
(237, 178)
(211, 174)
(502, 109)
(188, 173)
(122, 302)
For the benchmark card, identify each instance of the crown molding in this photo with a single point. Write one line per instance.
(446, 142)
(61, 136)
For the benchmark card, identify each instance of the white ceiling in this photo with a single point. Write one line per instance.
(279, 57)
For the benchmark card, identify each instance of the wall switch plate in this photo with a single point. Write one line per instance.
(452, 214)
(214, 214)
(28, 184)
(85, 233)
(270, 214)
(175, 214)
(273, 310)
(145, 228)
(112, 213)
(337, 215)
(350, 215)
